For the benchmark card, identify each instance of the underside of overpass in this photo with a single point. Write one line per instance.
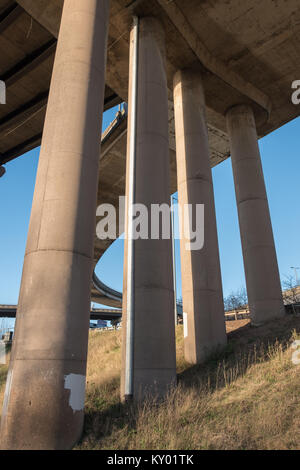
(241, 51)
(212, 78)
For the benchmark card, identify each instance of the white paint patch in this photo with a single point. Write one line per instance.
(185, 325)
(76, 384)
(296, 352)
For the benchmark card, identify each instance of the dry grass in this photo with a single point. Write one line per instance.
(247, 397)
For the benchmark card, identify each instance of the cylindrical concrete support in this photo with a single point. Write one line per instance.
(154, 361)
(202, 294)
(261, 268)
(44, 398)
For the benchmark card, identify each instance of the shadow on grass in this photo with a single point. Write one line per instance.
(246, 347)
(104, 416)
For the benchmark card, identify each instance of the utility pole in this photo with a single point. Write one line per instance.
(296, 274)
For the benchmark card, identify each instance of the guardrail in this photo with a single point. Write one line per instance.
(237, 314)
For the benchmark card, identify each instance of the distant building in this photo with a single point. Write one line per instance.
(8, 337)
(101, 324)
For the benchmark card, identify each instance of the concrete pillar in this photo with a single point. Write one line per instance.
(44, 398)
(154, 339)
(261, 268)
(202, 292)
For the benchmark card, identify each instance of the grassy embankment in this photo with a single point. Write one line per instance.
(247, 397)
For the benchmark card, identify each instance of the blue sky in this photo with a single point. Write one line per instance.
(281, 164)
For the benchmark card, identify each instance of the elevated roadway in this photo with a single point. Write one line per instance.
(226, 68)
(242, 51)
(9, 311)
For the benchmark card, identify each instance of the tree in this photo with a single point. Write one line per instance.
(291, 291)
(115, 323)
(236, 300)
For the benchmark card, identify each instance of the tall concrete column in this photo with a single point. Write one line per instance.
(202, 292)
(44, 398)
(261, 268)
(154, 362)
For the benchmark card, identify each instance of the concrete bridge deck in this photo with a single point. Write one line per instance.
(225, 69)
(241, 50)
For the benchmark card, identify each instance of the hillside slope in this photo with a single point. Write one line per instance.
(247, 397)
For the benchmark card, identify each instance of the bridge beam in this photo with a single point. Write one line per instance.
(154, 356)
(43, 405)
(202, 292)
(260, 260)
